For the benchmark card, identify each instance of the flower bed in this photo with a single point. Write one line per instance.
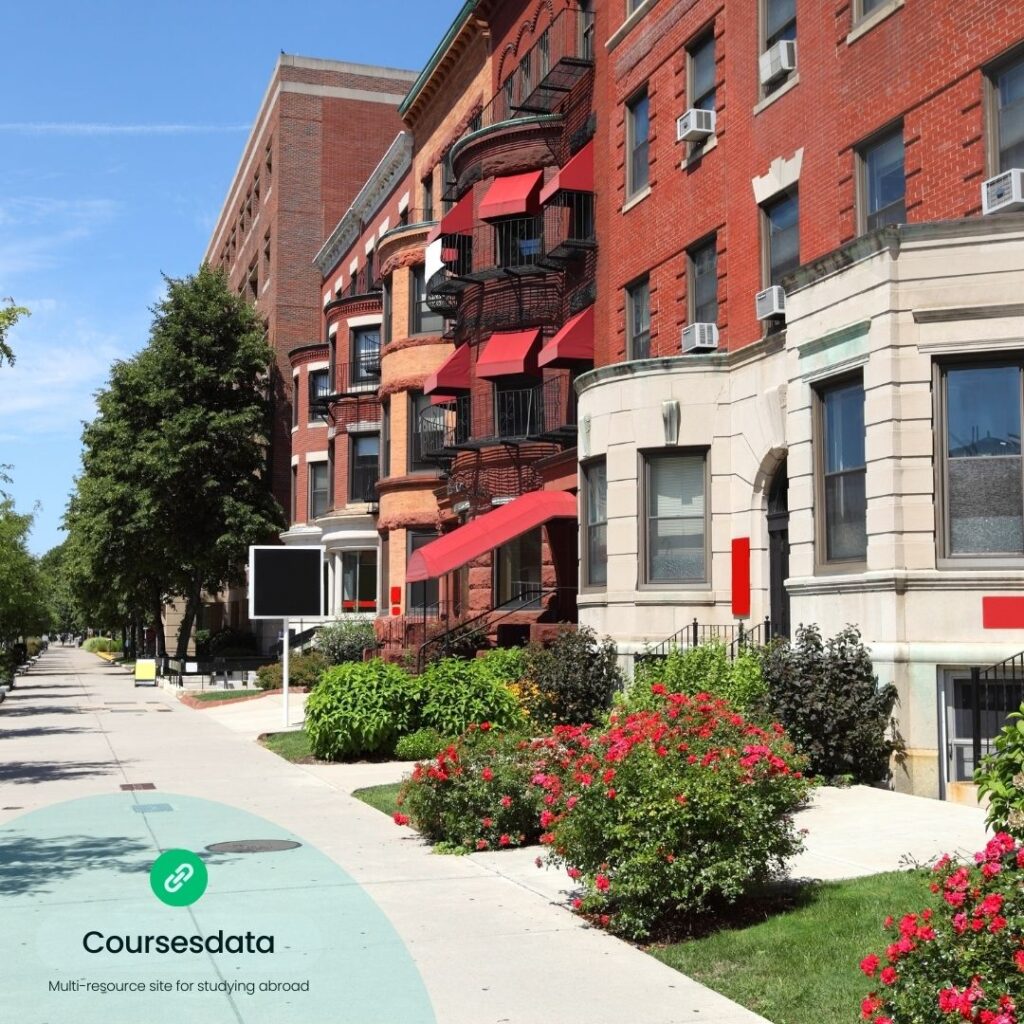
(965, 960)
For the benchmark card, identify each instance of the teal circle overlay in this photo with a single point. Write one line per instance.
(178, 878)
(77, 903)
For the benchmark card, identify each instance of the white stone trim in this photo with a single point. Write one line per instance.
(371, 244)
(628, 25)
(339, 284)
(324, 365)
(367, 320)
(340, 92)
(782, 174)
(332, 330)
(327, 296)
(868, 23)
(295, 458)
(316, 457)
(353, 266)
(384, 225)
(403, 203)
(369, 427)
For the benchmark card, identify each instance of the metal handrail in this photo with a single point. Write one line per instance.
(733, 636)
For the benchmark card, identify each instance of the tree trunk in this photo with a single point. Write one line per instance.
(187, 622)
(159, 640)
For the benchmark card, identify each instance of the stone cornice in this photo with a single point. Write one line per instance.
(386, 175)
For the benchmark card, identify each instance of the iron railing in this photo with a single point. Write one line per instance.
(735, 637)
(363, 484)
(360, 377)
(993, 693)
(544, 412)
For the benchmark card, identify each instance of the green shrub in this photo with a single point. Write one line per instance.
(476, 794)
(505, 664)
(458, 693)
(828, 698)
(1000, 777)
(202, 641)
(706, 669)
(98, 645)
(577, 676)
(420, 745)
(680, 808)
(303, 670)
(360, 708)
(345, 641)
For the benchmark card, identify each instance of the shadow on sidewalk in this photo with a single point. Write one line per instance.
(30, 772)
(34, 732)
(29, 864)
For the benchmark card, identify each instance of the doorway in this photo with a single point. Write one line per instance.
(778, 551)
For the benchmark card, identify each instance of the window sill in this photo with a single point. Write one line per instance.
(694, 159)
(636, 199)
(318, 423)
(778, 94)
(865, 25)
(840, 569)
(629, 24)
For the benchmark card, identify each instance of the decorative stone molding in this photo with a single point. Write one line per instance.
(782, 174)
(414, 342)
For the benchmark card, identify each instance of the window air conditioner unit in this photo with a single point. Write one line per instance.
(700, 338)
(694, 125)
(1003, 192)
(778, 60)
(770, 303)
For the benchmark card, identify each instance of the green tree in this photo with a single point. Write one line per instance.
(10, 314)
(23, 610)
(174, 487)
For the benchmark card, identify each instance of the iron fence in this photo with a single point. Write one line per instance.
(993, 693)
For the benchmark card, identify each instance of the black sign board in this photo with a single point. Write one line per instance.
(286, 582)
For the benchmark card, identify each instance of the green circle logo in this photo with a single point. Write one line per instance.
(178, 878)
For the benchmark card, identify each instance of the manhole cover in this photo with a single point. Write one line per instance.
(253, 846)
(131, 786)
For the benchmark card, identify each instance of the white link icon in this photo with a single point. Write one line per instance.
(179, 878)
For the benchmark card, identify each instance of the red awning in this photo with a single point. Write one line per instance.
(457, 221)
(452, 376)
(514, 196)
(576, 176)
(509, 354)
(574, 343)
(489, 531)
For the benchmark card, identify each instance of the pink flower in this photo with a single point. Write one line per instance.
(506, 801)
(503, 839)
(481, 844)
(546, 817)
(575, 873)
(487, 774)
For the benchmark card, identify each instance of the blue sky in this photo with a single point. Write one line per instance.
(120, 126)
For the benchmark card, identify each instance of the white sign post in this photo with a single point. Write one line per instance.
(286, 582)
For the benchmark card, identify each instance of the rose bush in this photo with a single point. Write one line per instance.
(682, 807)
(964, 960)
(476, 794)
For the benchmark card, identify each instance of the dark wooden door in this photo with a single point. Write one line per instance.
(778, 551)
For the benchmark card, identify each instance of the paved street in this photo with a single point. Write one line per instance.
(488, 948)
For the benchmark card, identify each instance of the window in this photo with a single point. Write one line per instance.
(319, 388)
(422, 597)
(295, 401)
(1007, 107)
(428, 197)
(881, 181)
(422, 319)
(632, 5)
(424, 418)
(253, 280)
(365, 468)
(508, 92)
(365, 355)
(385, 439)
(517, 572)
(637, 134)
(386, 326)
(525, 78)
(586, 30)
(450, 183)
(701, 85)
(369, 270)
(865, 7)
(544, 55)
(518, 241)
(781, 231)
(595, 516)
(638, 320)
(266, 256)
(779, 23)
(517, 411)
(295, 492)
(982, 502)
(359, 582)
(330, 475)
(256, 188)
(268, 159)
(675, 516)
(319, 488)
(842, 531)
(702, 282)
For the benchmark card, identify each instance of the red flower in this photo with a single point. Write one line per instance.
(889, 976)
(603, 920)
(658, 688)
(1018, 959)
(485, 726)
(602, 883)
(577, 903)
(481, 844)
(487, 774)
(573, 873)
(869, 965)
(869, 1005)
(506, 801)
(399, 818)
(487, 822)
(611, 794)
(546, 818)
(503, 839)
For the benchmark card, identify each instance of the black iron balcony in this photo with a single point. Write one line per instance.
(543, 412)
(361, 377)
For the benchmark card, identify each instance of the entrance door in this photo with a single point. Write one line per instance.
(977, 708)
(778, 551)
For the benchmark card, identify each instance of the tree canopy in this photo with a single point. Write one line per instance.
(10, 314)
(174, 487)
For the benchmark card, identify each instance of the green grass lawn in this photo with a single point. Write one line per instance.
(212, 696)
(800, 967)
(381, 797)
(292, 746)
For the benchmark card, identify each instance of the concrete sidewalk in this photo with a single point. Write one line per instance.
(489, 949)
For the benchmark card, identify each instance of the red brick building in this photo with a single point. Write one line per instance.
(321, 129)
